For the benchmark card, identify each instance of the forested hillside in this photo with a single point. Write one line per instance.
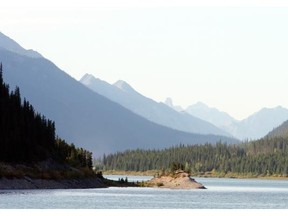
(84, 117)
(280, 131)
(267, 156)
(27, 136)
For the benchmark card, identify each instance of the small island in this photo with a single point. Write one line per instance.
(174, 180)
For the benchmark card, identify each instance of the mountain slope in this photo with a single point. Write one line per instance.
(212, 115)
(9, 44)
(259, 124)
(169, 103)
(280, 131)
(123, 94)
(253, 127)
(84, 117)
(29, 147)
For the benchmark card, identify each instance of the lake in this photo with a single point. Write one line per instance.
(221, 193)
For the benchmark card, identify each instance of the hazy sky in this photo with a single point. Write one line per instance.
(233, 56)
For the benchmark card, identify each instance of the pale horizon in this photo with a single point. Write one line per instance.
(231, 56)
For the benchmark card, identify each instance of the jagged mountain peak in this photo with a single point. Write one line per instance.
(87, 76)
(12, 46)
(124, 86)
(88, 79)
(169, 103)
(200, 105)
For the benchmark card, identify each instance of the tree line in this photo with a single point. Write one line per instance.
(267, 156)
(27, 136)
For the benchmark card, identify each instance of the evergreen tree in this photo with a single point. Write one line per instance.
(267, 156)
(27, 136)
(1, 74)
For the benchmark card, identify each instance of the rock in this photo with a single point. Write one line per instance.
(176, 180)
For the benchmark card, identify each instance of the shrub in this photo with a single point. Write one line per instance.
(159, 184)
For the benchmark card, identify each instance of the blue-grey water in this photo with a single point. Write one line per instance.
(221, 193)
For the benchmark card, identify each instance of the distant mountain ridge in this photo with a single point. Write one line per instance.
(123, 94)
(260, 123)
(212, 115)
(82, 116)
(9, 44)
(124, 86)
(253, 127)
(169, 103)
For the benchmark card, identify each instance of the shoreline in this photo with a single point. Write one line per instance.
(30, 183)
(26, 182)
(199, 175)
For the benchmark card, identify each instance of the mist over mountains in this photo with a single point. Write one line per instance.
(260, 123)
(254, 126)
(105, 118)
(82, 116)
(123, 94)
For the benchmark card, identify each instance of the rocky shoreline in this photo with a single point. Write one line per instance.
(173, 180)
(47, 174)
(29, 183)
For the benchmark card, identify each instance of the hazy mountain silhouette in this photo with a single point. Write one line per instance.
(212, 115)
(253, 127)
(169, 103)
(260, 123)
(82, 116)
(123, 94)
(9, 44)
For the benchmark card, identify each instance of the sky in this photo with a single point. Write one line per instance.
(232, 55)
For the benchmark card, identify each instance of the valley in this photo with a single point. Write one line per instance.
(111, 119)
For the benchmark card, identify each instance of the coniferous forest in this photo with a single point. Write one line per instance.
(264, 157)
(29, 137)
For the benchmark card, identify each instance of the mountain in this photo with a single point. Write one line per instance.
(10, 45)
(253, 127)
(123, 94)
(82, 116)
(29, 147)
(169, 103)
(280, 131)
(259, 124)
(212, 115)
(124, 87)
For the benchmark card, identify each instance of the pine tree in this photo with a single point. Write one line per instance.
(1, 74)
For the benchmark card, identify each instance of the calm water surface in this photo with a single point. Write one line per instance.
(221, 193)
